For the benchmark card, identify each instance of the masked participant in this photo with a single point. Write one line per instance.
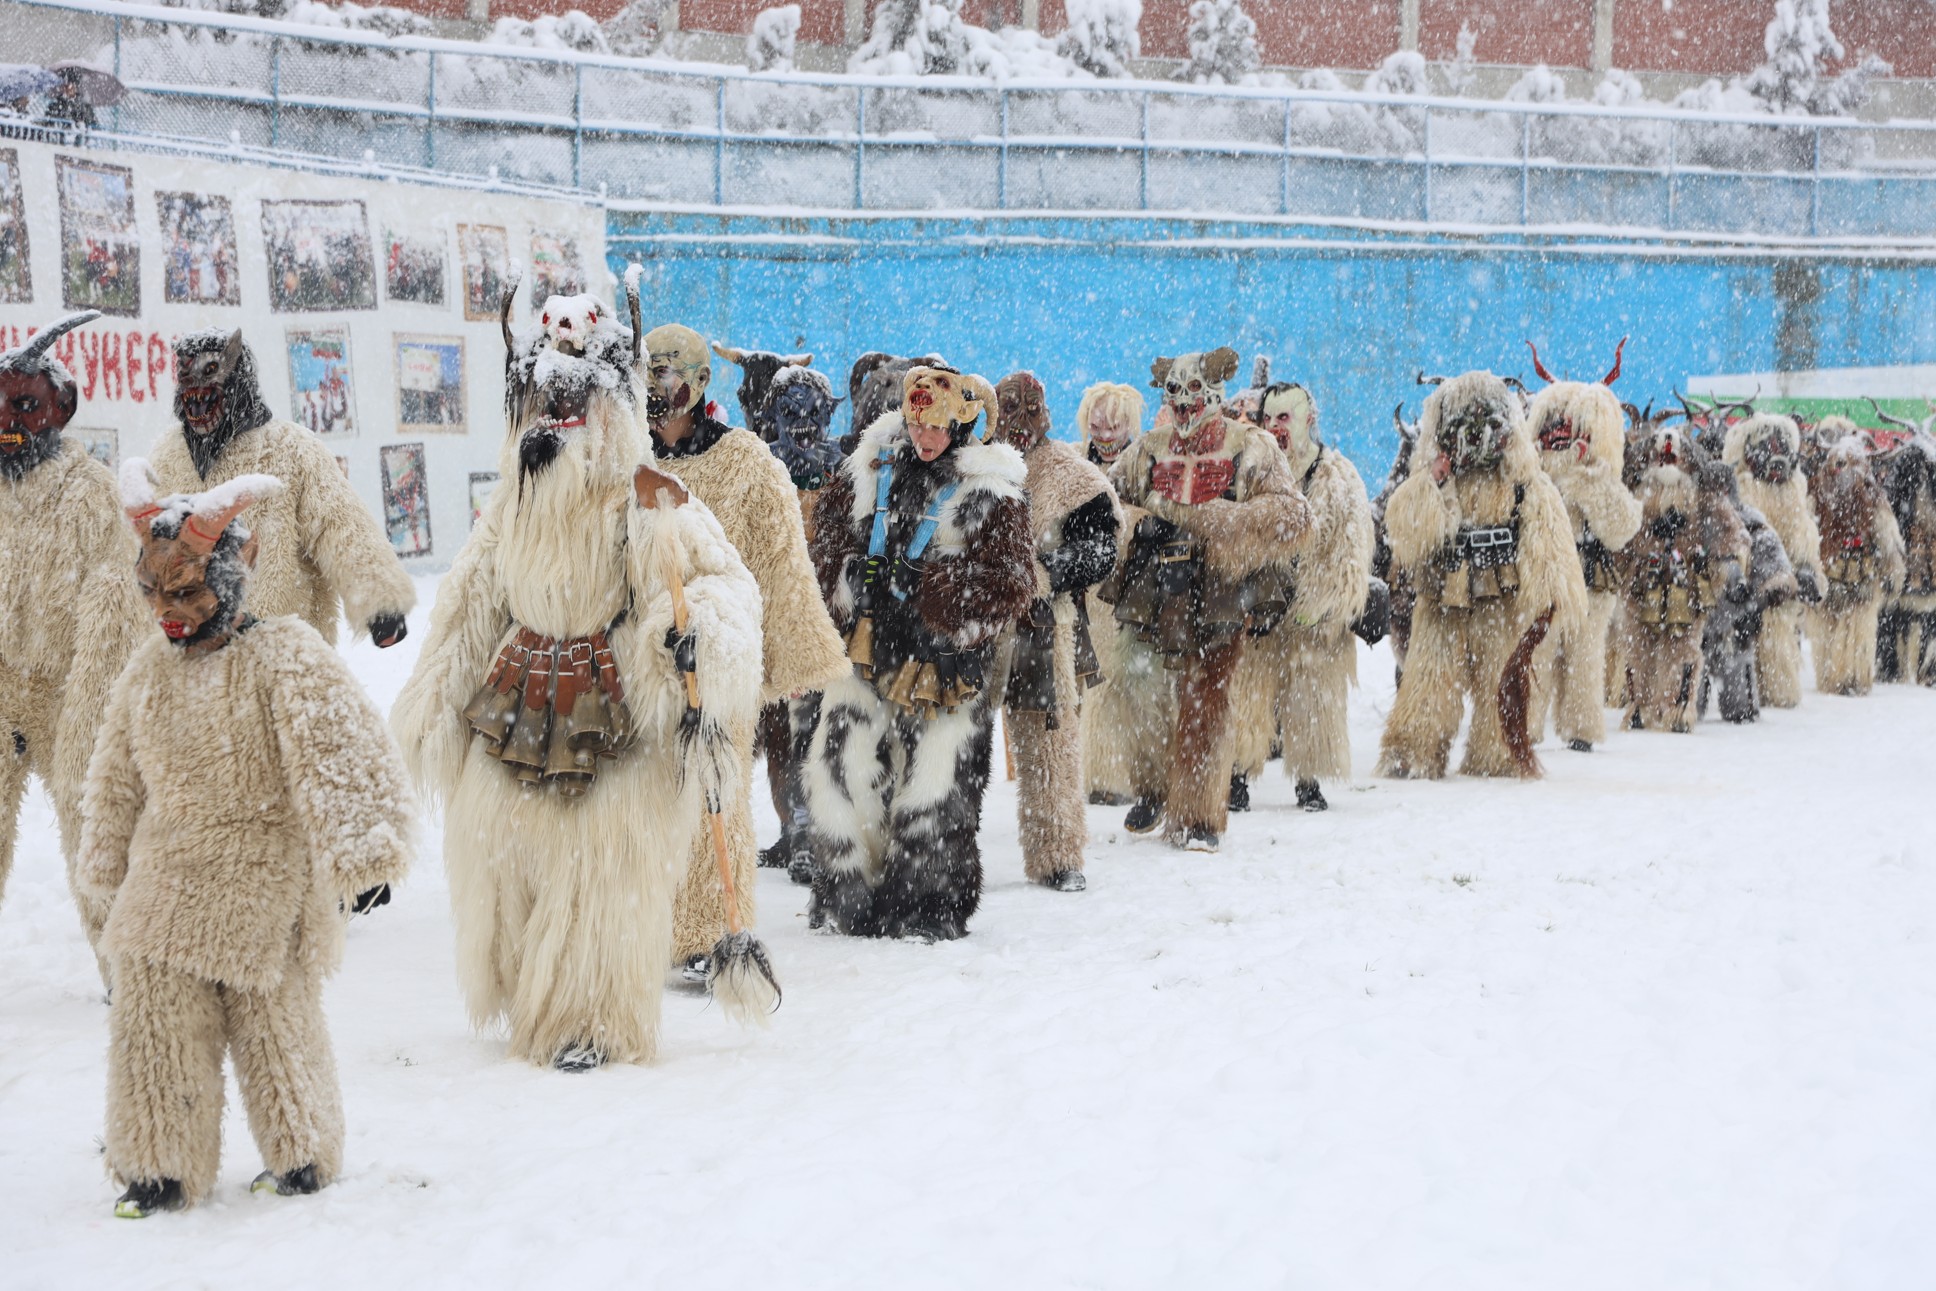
(1906, 632)
(1579, 430)
(1293, 684)
(755, 499)
(550, 710)
(1484, 536)
(926, 556)
(69, 613)
(1733, 633)
(242, 790)
(1862, 562)
(321, 550)
(1048, 658)
(1108, 419)
(1765, 452)
(1213, 512)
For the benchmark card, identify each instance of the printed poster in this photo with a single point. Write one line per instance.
(486, 250)
(430, 385)
(406, 499)
(319, 256)
(100, 247)
(319, 381)
(16, 269)
(198, 255)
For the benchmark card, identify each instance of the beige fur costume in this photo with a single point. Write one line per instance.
(320, 549)
(1851, 508)
(1051, 786)
(1456, 653)
(1778, 659)
(1570, 667)
(751, 495)
(69, 618)
(234, 799)
(1119, 408)
(1293, 682)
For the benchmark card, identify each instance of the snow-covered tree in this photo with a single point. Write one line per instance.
(1403, 72)
(1463, 70)
(639, 29)
(573, 29)
(1223, 43)
(769, 47)
(1539, 84)
(1102, 36)
(915, 38)
(1800, 45)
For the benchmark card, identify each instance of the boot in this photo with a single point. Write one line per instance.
(1105, 798)
(146, 1196)
(1310, 797)
(1066, 881)
(1239, 792)
(1201, 838)
(297, 1183)
(1580, 746)
(1144, 816)
(775, 855)
(578, 1057)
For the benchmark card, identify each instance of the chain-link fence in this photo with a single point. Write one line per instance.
(698, 136)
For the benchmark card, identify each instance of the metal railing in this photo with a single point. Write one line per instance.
(707, 136)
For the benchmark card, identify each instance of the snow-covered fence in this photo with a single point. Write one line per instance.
(695, 135)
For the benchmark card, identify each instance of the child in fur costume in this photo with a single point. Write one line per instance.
(1581, 436)
(569, 819)
(1294, 680)
(242, 789)
(1047, 659)
(1906, 630)
(69, 612)
(925, 556)
(1690, 555)
(1485, 538)
(1862, 561)
(1109, 419)
(1764, 451)
(1213, 512)
(755, 500)
(1733, 631)
(321, 549)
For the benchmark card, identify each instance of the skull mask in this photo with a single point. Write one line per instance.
(568, 322)
(195, 563)
(1192, 386)
(37, 399)
(1770, 455)
(1022, 411)
(941, 407)
(1473, 434)
(679, 368)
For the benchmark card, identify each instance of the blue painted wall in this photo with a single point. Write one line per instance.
(1351, 313)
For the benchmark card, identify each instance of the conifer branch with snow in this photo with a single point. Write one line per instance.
(769, 46)
(1223, 43)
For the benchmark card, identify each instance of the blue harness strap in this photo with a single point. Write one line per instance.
(923, 532)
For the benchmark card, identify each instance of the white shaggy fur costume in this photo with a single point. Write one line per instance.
(235, 798)
(1570, 667)
(1862, 562)
(1786, 507)
(563, 905)
(1483, 651)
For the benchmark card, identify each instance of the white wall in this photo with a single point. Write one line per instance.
(135, 401)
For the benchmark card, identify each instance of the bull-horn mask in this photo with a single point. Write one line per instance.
(942, 399)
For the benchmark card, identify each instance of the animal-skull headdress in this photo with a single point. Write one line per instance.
(37, 398)
(941, 398)
(1192, 385)
(556, 372)
(678, 370)
(195, 557)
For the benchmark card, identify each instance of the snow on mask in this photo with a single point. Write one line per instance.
(195, 557)
(554, 373)
(1770, 454)
(1192, 385)
(679, 368)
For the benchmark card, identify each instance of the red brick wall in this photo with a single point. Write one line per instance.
(1558, 33)
(1704, 37)
(821, 21)
(599, 9)
(1901, 31)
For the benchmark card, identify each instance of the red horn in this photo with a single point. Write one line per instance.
(1614, 375)
(1539, 367)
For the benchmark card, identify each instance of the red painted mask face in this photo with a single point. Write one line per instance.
(32, 409)
(174, 580)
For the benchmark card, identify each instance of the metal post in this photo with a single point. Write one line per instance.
(1001, 179)
(860, 147)
(430, 117)
(275, 90)
(1284, 172)
(1815, 189)
(117, 69)
(1428, 165)
(1673, 167)
(719, 144)
(577, 125)
(1145, 176)
(1525, 169)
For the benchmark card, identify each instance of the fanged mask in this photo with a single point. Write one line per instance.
(202, 380)
(1473, 435)
(195, 562)
(1022, 419)
(1192, 386)
(1770, 455)
(678, 371)
(941, 407)
(37, 399)
(1291, 417)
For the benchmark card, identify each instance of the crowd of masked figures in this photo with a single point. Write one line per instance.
(655, 603)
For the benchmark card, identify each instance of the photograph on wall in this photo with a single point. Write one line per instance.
(16, 275)
(319, 256)
(406, 499)
(198, 264)
(100, 247)
(319, 381)
(104, 446)
(486, 250)
(430, 385)
(555, 268)
(413, 268)
(483, 484)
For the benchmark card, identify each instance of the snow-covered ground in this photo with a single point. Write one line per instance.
(1665, 1020)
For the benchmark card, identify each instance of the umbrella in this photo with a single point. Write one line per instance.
(18, 80)
(99, 87)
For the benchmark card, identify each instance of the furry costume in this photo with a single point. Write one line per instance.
(320, 548)
(899, 762)
(1213, 513)
(1485, 600)
(1048, 658)
(1690, 555)
(1398, 580)
(1109, 419)
(1733, 632)
(753, 497)
(563, 902)
(1906, 633)
(1580, 433)
(238, 794)
(1862, 562)
(1293, 683)
(69, 612)
(1772, 484)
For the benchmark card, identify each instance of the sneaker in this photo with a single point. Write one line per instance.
(297, 1183)
(1239, 792)
(1310, 797)
(1066, 881)
(1144, 816)
(146, 1196)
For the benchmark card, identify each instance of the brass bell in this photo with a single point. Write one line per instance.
(1506, 578)
(926, 691)
(529, 744)
(1457, 592)
(860, 643)
(586, 729)
(491, 715)
(571, 770)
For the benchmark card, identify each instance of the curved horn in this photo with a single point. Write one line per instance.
(633, 272)
(42, 340)
(504, 303)
(1398, 419)
(1424, 380)
(1539, 367)
(1614, 375)
(1516, 384)
(1634, 414)
(985, 395)
(730, 354)
(1887, 420)
(231, 355)
(796, 360)
(1260, 372)
(200, 532)
(138, 495)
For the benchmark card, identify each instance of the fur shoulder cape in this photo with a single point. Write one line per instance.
(1334, 567)
(990, 470)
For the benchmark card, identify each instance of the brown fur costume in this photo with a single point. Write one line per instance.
(69, 618)
(1485, 651)
(1906, 649)
(1293, 682)
(1785, 505)
(1571, 664)
(1862, 561)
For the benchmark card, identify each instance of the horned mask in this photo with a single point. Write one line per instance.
(1192, 386)
(37, 399)
(217, 396)
(195, 560)
(1473, 433)
(678, 371)
(1771, 453)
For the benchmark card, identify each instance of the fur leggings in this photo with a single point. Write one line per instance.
(1778, 657)
(168, 1032)
(1663, 676)
(896, 805)
(1906, 641)
(699, 915)
(1294, 686)
(1048, 774)
(1843, 630)
(1570, 676)
(1455, 654)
